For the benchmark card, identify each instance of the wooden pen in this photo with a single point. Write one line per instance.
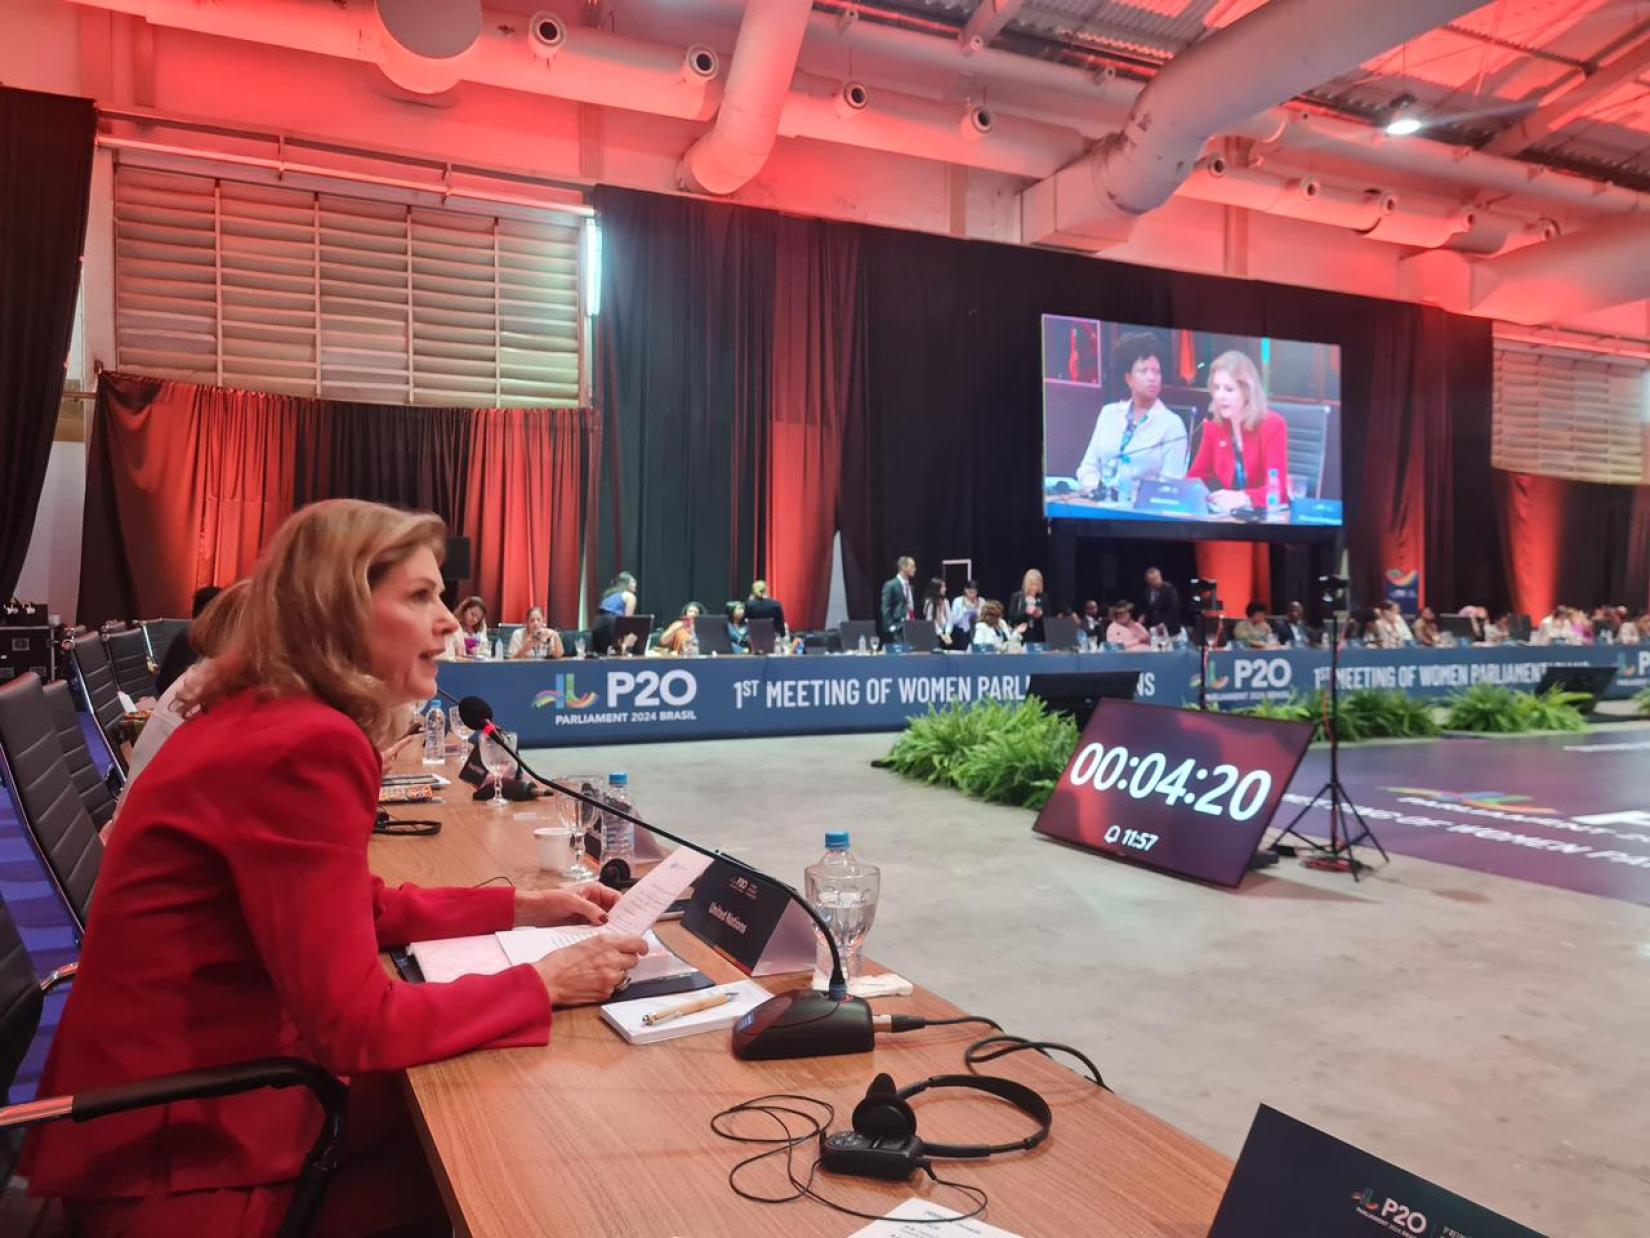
(694, 1007)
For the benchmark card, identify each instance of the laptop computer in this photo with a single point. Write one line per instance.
(1458, 626)
(851, 630)
(1060, 632)
(712, 632)
(1173, 497)
(920, 636)
(761, 635)
(639, 626)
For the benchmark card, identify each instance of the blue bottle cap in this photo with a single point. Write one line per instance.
(836, 840)
(618, 780)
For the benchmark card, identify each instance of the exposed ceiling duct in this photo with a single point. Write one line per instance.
(1263, 59)
(1607, 264)
(747, 123)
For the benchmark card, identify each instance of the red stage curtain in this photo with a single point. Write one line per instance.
(1580, 543)
(816, 289)
(532, 477)
(184, 485)
(1243, 570)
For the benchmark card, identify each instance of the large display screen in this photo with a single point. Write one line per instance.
(1181, 790)
(1189, 428)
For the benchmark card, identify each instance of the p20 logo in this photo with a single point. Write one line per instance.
(650, 689)
(1398, 1217)
(1262, 673)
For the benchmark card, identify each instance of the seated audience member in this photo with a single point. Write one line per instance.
(965, 607)
(937, 610)
(1500, 631)
(208, 635)
(237, 917)
(990, 631)
(1480, 622)
(761, 606)
(1293, 630)
(1252, 631)
(739, 629)
(1426, 628)
(1026, 607)
(535, 638)
(1138, 437)
(180, 654)
(1558, 628)
(1125, 630)
(1631, 631)
(1362, 630)
(469, 639)
(1091, 621)
(618, 599)
(1394, 630)
(680, 635)
(1244, 442)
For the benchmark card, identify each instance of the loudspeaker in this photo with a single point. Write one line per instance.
(457, 566)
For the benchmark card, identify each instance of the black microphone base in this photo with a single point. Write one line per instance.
(804, 1024)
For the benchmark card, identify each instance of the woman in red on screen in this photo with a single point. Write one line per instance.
(236, 917)
(1245, 445)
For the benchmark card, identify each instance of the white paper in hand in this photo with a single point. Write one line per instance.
(651, 897)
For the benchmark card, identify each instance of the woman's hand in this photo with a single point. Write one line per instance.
(587, 903)
(590, 971)
(1229, 500)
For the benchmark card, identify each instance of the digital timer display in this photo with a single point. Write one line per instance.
(1188, 792)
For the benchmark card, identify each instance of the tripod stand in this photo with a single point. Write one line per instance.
(1337, 856)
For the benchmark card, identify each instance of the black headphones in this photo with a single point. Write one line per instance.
(884, 1142)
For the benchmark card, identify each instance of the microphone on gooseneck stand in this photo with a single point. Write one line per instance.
(790, 1025)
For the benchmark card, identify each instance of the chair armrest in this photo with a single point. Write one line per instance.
(61, 976)
(275, 1072)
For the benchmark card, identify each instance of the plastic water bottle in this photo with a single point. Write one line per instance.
(863, 646)
(618, 835)
(1128, 485)
(1274, 492)
(435, 737)
(691, 648)
(844, 893)
(498, 650)
(1108, 478)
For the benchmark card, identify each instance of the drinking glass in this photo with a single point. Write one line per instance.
(876, 643)
(499, 762)
(564, 809)
(578, 646)
(1297, 487)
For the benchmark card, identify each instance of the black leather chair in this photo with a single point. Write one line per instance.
(56, 821)
(129, 658)
(98, 692)
(88, 783)
(1308, 441)
(22, 997)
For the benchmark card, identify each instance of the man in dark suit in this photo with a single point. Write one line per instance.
(1162, 604)
(898, 602)
(761, 606)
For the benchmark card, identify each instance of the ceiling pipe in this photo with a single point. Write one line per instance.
(872, 118)
(1607, 264)
(759, 79)
(1284, 47)
(541, 54)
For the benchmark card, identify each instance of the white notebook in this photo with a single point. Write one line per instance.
(626, 1017)
(451, 957)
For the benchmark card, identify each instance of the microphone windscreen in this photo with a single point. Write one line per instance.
(475, 712)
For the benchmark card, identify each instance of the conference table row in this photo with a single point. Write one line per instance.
(572, 702)
(593, 1136)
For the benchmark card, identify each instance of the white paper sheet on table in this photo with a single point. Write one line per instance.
(899, 1223)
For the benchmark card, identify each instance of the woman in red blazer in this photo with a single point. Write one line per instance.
(1244, 442)
(236, 918)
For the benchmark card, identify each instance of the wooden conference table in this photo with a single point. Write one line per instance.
(591, 1136)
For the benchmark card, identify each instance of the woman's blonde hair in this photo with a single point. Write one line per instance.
(210, 634)
(1241, 370)
(308, 609)
(1031, 575)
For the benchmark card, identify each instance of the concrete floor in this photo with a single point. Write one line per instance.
(1486, 1033)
